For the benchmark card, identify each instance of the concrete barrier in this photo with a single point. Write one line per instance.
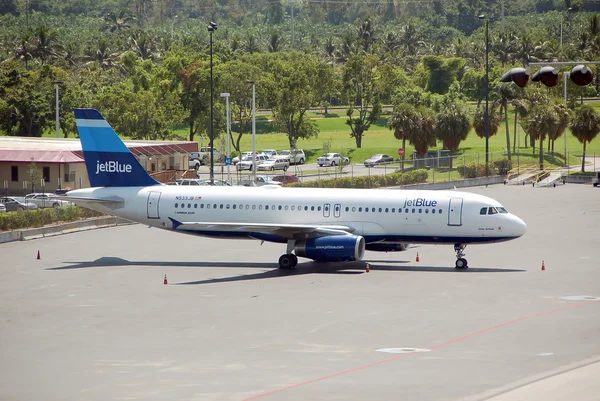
(469, 182)
(60, 229)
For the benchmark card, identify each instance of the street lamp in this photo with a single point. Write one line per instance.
(211, 28)
(253, 129)
(562, 17)
(226, 96)
(487, 92)
(57, 84)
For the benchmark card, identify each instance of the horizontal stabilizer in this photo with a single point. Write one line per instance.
(111, 202)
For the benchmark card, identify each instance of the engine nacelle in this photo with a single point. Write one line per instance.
(333, 248)
(383, 247)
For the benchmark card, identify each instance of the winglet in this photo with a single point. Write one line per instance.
(176, 223)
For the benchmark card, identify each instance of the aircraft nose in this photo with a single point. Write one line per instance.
(519, 226)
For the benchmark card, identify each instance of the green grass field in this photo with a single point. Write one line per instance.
(379, 139)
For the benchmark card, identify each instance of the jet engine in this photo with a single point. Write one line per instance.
(333, 248)
(383, 247)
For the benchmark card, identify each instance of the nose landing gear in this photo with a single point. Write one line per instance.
(461, 262)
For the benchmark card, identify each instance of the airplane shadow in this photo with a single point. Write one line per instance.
(271, 270)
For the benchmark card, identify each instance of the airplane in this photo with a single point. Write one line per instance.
(322, 224)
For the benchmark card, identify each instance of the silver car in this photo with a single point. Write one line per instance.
(2, 208)
(246, 162)
(274, 164)
(43, 200)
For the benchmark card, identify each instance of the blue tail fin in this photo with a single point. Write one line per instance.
(109, 163)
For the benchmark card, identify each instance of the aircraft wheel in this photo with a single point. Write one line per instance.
(461, 263)
(286, 261)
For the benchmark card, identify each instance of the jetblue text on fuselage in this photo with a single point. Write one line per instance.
(112, 167)
(420, 202)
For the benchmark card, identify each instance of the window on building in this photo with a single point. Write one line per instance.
(46, 173)
(14, 173)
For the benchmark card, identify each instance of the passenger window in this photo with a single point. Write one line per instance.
(241, 207)
(221, 206)
(195, 206)
(227, 206)
(492, 210)
(433, 211)
(413, 210)
(286, 207)
(215, 206)
(279, 207)
(360, 209)
(420, 210)
(202, 206)
(247, 207)
(234, 206)
(266, 207)
(176, 205)
(319, 208)
(386, 210)
(312, 208)
(293, 207)
(305, 208)
(393, 210)
(483, 210)
(426, 211)
(380, 209)
(354, 208)
(208, 206)
(406, 210)
(253, 207)
(440, 211)
(347, 209)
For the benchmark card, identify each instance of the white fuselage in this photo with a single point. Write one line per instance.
(380, 216)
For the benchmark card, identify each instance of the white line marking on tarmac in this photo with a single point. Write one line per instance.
(402, 350)
(545, 354)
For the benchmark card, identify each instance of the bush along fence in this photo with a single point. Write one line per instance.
(43, 217)
(373, 181)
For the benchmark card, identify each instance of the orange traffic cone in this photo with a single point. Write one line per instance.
(165, 282)
(543, 266)
(38, 255)
(368, 269)
(417, 257)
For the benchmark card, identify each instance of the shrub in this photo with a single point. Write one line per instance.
(374, 181)
(43, 217)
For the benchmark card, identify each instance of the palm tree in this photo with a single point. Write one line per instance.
(46, 46)
(117, 22)
(250, 44)
(505, 46)
(275, 42)
(101, 55)
(452, 126)
(23, 49)
(404, 121)
(585, 126)
(563, 116)
(424, 137)
(505, 92)
(541, 121)
(495, 119)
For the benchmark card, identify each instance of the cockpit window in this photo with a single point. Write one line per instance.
(492, 210)
(483, 210)
(502, 210)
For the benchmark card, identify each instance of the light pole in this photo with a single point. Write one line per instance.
(562, 17)
(57, 84)
(253, 129)
(487, 93)
(211, 28)
(226, 96)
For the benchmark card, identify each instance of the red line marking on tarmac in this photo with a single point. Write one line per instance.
(402, 356)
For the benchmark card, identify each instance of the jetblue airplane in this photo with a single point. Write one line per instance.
(325, 225)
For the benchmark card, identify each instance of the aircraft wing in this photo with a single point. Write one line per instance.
(289, 231)
(112, 202)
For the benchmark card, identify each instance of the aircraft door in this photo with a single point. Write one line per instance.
(153, 198)
(455, 212)
(337, 208)
(326, 210)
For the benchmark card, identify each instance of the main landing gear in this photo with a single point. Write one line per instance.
(461, 263)
(288, 260)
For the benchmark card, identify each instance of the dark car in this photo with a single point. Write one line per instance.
(286, 178)
(378, 159)
(17, 203)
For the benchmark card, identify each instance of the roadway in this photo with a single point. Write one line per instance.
(92, 319)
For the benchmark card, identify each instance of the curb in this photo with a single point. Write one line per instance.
(60, 229)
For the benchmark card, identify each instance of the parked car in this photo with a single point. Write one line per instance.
(17, 203)
(259, 181)
(246, 162)
(190, 181)
(332, 159)
(196, 159)
(295, 156)
(2, 208)
(218, 183)
(274, 164)
(269, 152)
(379, 158)
(237, 159)
(286, 178)
(43, 200)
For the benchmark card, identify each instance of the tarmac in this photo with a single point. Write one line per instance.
(92, 319)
